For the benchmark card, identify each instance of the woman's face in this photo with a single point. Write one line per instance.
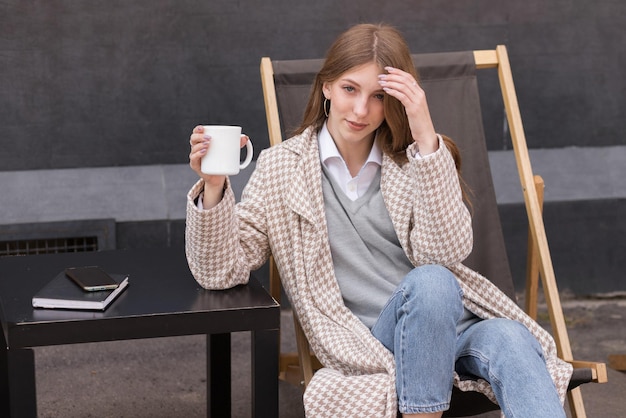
(356, 105)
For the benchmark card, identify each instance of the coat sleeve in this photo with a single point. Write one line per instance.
(441, 230)
(223, 244)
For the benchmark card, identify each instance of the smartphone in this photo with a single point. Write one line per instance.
(91, 278)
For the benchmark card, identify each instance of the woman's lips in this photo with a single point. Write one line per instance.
(357, 126)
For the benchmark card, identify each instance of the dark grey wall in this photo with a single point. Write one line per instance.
(586, 240)
(106, 83)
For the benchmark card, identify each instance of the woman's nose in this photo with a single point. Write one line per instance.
(360, 107)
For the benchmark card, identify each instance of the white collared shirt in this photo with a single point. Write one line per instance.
(353, 187)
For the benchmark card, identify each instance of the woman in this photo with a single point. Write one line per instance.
(364, 214)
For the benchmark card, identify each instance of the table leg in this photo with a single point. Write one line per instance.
(265, 373)
(18, 396)
(218, 375)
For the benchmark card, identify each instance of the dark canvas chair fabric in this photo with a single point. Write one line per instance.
(451, 86)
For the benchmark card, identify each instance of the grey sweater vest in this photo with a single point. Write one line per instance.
(368, 258)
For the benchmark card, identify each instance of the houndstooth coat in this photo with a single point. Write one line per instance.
(282, 212)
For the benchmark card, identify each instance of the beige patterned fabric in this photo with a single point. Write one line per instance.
(282, 212)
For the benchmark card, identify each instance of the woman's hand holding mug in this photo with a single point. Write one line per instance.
(215, 155)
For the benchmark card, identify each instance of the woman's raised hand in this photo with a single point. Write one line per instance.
(404, 87)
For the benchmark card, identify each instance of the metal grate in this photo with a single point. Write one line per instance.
(48, 246)
(57, 237)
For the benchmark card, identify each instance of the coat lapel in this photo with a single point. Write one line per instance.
(304, 197)
(398, 194)
(306, 200)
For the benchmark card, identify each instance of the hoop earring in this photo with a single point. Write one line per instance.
(326, 111)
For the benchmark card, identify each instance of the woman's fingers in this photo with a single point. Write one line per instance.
(199, 143)
(403, 86)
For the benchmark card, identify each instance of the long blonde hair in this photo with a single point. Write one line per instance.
(385, 46)
(359, 45)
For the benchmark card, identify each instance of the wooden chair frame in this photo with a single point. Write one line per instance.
(539, 262)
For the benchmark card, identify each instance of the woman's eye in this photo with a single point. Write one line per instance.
(349, 89)
(379, 96)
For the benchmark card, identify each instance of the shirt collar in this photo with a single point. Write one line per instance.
(328, 148)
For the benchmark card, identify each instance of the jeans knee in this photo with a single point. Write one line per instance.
(432, 287)
(515, 332)
(516, 338)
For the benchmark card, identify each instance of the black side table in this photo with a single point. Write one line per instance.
(162, 300)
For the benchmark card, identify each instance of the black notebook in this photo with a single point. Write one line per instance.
(62, 293)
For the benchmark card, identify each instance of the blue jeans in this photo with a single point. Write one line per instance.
(419, 325)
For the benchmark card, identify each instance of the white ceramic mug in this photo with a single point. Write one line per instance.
(223, 156)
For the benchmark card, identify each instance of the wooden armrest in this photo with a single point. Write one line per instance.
(598, 370)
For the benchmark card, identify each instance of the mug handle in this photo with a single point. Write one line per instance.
(249, 154)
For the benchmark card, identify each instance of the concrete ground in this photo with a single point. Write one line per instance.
(166, 377)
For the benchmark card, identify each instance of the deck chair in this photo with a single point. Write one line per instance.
(451, 86)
